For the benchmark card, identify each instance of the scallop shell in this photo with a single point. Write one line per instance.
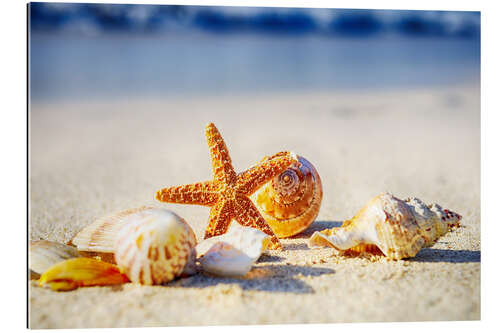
(151, 245)
(44, 254)
(233, 253)
(398, 229)
(100, 236)
(291, 201)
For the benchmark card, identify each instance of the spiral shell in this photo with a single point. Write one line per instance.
(291, 201)
(397, 228)
(151, 245)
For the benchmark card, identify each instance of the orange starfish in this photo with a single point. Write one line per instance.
(227, 194)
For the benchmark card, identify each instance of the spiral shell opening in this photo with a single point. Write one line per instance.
(290, 202)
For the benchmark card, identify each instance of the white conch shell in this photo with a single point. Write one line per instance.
(434, 221)
(291, 201)
(397, 228)
(43, 254)
(233, 253)
(151, 245)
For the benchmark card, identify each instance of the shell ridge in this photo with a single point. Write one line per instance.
(99, 236)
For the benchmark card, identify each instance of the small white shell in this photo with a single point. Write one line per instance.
(43, 254)
(233, 253)
(225, 260)
(151, 245)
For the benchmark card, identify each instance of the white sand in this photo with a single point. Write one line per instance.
(91, 159)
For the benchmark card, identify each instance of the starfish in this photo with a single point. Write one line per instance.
(228, 193)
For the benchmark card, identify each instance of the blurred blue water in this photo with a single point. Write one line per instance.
(219, 50)
(111, 66)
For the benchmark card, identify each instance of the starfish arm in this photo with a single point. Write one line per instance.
(222, 167)
(220, 218)
(247, 215)
(202, 193)
(250, 180)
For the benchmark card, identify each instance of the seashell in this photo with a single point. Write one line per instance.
(81, 272)
(291, 201)
(44, 254)
(386, 224)
(100, 236)
(434, 221)
(155, 249)
(223, 259)
(249, 240)
(233, 253)
(151, 245)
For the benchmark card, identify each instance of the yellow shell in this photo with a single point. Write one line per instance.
(291, 201)
(81, 272)
(397, 228)
(151, 245)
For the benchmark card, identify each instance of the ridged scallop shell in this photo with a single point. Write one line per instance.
(233, 253)
(291, 201)
(151, 245)
(100, 236)
(397, 228)
(43, 254)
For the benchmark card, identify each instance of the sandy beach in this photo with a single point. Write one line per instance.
(93, 158)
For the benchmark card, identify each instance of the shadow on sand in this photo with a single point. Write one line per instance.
(425, 255)
(441, 255)
(281, 278)
(317, 226)
(272, 278)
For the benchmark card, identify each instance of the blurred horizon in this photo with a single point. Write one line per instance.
(94, 19)
(81, 51)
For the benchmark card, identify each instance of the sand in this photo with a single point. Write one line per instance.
(92, 158)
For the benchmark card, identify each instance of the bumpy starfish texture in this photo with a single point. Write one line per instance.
(227, 194)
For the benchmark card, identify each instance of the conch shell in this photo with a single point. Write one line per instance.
(43, 254)
(290, 202)
(398, 229)
(233, 253)
(151, 245)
